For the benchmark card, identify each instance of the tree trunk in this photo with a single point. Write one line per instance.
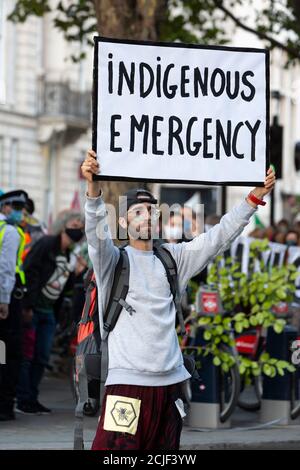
(128, 19)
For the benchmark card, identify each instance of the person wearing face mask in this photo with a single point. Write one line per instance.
(12, 286)
(175, 230)
(292, 238)
(49, 268)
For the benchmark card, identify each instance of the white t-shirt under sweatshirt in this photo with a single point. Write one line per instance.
(143, 348)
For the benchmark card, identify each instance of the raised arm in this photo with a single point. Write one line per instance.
(103, 254)
(191, 257)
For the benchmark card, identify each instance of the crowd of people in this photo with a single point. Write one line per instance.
(282, 232)
(37, 268)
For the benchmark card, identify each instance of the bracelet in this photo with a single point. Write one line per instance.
(256, 200)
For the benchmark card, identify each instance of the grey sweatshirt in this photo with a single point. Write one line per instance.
(8, 261)
(143, 347)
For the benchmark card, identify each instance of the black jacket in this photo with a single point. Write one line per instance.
(39, 265)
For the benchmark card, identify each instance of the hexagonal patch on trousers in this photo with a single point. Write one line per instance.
(121, 414)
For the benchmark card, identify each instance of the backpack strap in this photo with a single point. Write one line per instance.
(87, 305)
(171, 269)
(88, 276)
(116, 303)
(118, 295)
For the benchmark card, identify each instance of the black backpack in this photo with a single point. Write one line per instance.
(91, 358)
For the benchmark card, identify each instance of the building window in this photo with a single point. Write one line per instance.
(2, 52)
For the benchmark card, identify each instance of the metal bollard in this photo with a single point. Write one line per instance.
(276, 403)
(204, 410)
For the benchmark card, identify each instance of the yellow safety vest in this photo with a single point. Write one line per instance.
(19, 265)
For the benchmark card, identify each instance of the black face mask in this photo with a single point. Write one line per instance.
(291, 243)
(75, 234)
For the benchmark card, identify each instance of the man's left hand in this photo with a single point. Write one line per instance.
(260, 192)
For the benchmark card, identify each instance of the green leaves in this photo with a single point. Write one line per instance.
(251, 300)
(253, 320)
(265, 365)
(294, 276)
(271, 366)
(207, 335)
(190, 21)
(290, 368)
(239, 317)
(238, 327)
(259, 292)
(281, 294)
(279, 326)
(217, 334)
(217, 361)
(261, 297)
(204, 321)
(219, 330)
(268, 370)
(24, 8)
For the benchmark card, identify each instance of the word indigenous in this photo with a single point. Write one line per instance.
(168, 135)
(144, 80)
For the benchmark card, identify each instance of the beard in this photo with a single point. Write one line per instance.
(145, 234)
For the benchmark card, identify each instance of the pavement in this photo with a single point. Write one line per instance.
(55, 431)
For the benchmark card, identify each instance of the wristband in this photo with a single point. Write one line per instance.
(256, 200)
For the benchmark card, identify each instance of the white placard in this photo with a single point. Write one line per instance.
(180, 113)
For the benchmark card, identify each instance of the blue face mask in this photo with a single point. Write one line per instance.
(187, 226)
(15, 217)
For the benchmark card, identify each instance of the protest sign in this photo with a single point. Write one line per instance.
(180, 112)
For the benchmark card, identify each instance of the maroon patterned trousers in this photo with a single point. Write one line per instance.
(159, 424)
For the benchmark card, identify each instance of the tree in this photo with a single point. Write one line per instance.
(169, 20)
(194, 21)
(112, 18)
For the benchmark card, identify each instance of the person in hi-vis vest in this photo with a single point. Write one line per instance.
(12, 287)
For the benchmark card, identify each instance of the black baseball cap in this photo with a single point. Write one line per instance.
(135, 196)
(17, 198)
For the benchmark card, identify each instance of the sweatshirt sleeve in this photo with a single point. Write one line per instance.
(8, 261)
(192, 257)
(102, 251)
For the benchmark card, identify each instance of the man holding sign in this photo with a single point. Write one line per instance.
(142, 407)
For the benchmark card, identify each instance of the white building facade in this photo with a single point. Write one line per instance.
(45, 113)
(284, 104)
(45, 117)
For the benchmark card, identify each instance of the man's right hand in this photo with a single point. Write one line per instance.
(4, 311)
(89, 168)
